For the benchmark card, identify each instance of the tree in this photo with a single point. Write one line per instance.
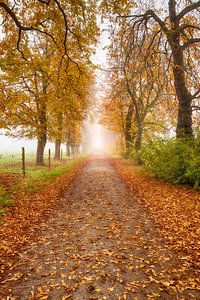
(33, 85)
(118, 111)
(138, 85)
(70, 104)
(179, 28)
(27, 92)
(59, 20)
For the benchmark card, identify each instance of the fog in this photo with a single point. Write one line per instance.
(97, 139)
(10, 145)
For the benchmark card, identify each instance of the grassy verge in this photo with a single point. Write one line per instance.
(37, 178)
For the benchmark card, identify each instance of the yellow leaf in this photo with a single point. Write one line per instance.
(165, 283)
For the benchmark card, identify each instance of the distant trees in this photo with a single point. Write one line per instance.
(137, 85)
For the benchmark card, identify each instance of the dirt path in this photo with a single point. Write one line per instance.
(99, 244)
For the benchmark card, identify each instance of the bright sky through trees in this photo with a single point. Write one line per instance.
(100, 136)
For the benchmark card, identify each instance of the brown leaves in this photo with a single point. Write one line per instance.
(24, 217)
(94, 248)
(175, 209)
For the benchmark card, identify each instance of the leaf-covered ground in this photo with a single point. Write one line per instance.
(100, 242)
(8, 180)
(175, 209)
(25, 216)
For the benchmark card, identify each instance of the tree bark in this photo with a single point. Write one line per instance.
(128, 126)
(41, 142)
(58, 136)
(57, 149)
(68, 149)
(42, 132)
(73, 150)
(184, 124)
(138, 139)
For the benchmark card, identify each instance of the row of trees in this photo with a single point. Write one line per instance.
(45, 69)
(46, 72)
(153, 74)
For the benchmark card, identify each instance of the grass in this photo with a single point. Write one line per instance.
(4, 201)
(37, 177)
(12, 163)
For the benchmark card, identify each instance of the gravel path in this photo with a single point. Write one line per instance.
(100, 243)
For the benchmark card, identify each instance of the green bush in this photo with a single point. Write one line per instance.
(175, 160)
(135, 156)
(4, 200)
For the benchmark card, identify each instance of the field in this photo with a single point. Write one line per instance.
(12, 183)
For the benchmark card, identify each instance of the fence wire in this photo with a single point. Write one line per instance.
(12, 163)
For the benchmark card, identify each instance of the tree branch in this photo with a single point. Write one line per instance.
(23, 28)
(188, 9)
(194, 108)
(65, 21)
(196, 94)
(189, 42)
(149, 14)
(45, 1)
(14, 17)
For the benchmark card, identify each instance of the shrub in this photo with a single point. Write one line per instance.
(4, 200)
(175, 160)
(135, 156)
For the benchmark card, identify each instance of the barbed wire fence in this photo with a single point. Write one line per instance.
(25, 162)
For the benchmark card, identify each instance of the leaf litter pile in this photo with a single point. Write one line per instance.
(100, 243)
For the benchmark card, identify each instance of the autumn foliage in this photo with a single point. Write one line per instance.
(24, 217)
(175, 209)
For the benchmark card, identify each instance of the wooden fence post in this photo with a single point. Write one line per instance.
(49, 159)
(23, 163)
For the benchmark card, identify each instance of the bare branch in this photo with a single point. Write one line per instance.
(188, 9)
(185, 26)
(18, 44)
(195, 108)
(149, 14)
(189, 42)
(23, 28)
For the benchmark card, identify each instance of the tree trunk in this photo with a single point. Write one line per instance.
(57, 149)
(128, 127)
(41, 142)
(138, 139)
(184, 124)
(42, 136)
(59, 135)
(68, 149)
(42, 132)
(73, 150)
